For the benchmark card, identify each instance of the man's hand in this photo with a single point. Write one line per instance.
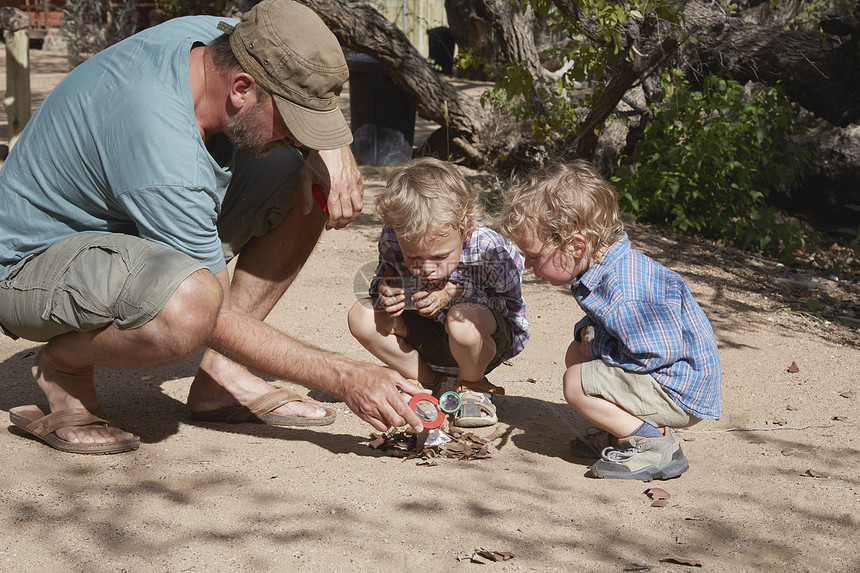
(372, 394)
(337, 174)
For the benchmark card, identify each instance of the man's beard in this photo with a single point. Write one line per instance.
(243, 132)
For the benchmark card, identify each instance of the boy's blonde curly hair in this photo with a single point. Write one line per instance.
(427, 196)
(560, 201)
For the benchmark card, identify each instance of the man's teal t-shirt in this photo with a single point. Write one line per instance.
(115, 148)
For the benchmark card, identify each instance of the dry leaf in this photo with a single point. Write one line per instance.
(475, 438)
(657, 493)
(473, 557)
(840, 418)
(484, 556)
(458, 447)
(794, 368)
(638, 567)
(848, 394)
(495, 555)
(681, 561)
(532, 380)
(495, 434)
(813, 473)
(402, 444)
(660, 503)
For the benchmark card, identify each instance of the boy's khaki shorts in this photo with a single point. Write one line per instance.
(90, 280)
(430, 339)
(639, 394)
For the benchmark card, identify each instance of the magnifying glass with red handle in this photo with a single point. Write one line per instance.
(431, 410)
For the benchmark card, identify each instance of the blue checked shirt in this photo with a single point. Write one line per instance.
(646, 320)
(490, 271)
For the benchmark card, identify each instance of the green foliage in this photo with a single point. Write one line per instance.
(710, 160)
(812, 12)
(513, 93)
(587, 58)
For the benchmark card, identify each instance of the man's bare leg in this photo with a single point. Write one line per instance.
(265, 269)
(64, 366)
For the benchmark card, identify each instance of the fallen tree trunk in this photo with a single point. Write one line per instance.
(821, 77)
(833, 178)
(473, 132)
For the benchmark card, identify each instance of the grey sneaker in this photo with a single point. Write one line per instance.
(592, 444)
(642, 459)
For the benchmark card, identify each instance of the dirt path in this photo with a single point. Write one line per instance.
(773, 486)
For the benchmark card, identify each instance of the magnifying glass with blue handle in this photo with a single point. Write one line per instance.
(432, 411)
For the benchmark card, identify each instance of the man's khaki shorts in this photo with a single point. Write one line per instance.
(639, 394)
(90, 280)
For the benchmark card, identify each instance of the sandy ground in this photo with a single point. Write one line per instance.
(773, 486)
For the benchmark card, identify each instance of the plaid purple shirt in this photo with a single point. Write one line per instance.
(490, 272)
(646, 320)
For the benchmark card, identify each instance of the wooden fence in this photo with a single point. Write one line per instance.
(16, 33)
(414, 17)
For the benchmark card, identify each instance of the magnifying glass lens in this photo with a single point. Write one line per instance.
(450, 402)
(426, 410)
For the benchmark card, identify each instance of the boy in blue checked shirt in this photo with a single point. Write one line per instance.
(644, 358)
(447, 295)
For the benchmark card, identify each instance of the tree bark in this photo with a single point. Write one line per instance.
(833, 178)
(471, 30)
(822, 78)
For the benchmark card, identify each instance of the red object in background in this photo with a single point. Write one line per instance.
(319, 197)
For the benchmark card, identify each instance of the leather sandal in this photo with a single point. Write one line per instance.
(260, 411)
(32, 420)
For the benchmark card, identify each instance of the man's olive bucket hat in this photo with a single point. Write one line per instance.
(291, 53)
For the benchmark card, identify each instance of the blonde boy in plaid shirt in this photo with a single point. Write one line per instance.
(447, 295)
(644, 358)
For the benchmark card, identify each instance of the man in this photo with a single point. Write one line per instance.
(125, 196)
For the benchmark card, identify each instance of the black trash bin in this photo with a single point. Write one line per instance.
(381, 117)
(441, 48)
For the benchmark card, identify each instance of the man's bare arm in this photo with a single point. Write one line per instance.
(370, 391)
